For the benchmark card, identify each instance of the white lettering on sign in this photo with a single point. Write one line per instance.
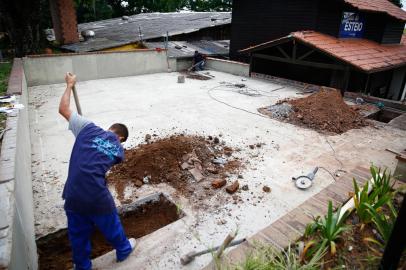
(353, 26)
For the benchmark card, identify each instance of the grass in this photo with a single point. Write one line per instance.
(5, 69)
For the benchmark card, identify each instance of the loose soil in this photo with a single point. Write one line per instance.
(55, 252)
(161, 161)
(324, 111)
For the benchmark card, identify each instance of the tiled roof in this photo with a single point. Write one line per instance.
(363, 54)
(379, 6)
(117, 32)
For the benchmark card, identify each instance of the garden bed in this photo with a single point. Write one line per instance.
(343, 239)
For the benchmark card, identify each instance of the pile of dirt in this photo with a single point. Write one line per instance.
(184, 162)
(324, 111)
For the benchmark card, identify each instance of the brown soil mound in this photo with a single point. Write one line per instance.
(176, 160)
(324, 111)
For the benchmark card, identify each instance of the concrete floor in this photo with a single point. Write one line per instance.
(156, 103)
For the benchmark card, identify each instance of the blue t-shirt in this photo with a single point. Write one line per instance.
(95, 151)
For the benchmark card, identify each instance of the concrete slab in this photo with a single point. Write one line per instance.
(156, 103)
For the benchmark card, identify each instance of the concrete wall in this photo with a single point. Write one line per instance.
(17, 237)
(232, 67)
(43, 70)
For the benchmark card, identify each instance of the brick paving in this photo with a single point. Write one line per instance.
(288, 228)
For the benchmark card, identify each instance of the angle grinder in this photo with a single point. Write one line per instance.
(305, 181)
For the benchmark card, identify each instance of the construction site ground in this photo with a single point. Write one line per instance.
(157, 104)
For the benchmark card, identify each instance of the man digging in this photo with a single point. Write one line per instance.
(88, 202)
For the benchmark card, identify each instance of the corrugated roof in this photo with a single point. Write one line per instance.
(364, 54)
(183, 49)
(117, 32)
(379, 6)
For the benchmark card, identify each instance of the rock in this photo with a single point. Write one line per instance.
(235, 197)
(252, 146)
(147, 137)
(210, 138)
(233, 187)
(146, 179)
(216, 140)
(259, 145)
(240, 176)
(245, 187)
(218, 183)
(197, 174)
(219, 160)
(138, 183)
(266, 189)
(212, 169)
(184, 165)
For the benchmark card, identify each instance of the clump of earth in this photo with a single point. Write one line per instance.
(187, 163)
(324, 111)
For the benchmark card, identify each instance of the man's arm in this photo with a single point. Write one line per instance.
(64, 105)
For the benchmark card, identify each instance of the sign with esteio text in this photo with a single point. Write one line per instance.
(352, 25)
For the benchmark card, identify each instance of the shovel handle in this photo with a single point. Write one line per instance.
(76, 98)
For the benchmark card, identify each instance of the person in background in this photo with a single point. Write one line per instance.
(88, 202)
(198, 61)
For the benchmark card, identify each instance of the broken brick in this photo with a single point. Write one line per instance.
(138, 183)
(218, 183)
(233, 187)
(266, 189)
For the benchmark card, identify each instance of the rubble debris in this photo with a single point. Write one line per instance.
(252, 146)
(218, 183)
(219, 160)
(266, 189)
(216, 140)
(179, 160)
(138, 183)
(245, 187)
(147, 137)
(233, 187)
(324, 111)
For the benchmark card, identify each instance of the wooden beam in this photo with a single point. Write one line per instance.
(298, 62)
(294, 50)
(283, 52)
(306, 55)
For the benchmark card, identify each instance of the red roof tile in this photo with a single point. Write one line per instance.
(379, 6)
(364, 54)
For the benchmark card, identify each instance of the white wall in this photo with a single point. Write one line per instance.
(43, 70)
(232, 67)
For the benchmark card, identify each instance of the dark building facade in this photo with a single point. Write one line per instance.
(347, 44)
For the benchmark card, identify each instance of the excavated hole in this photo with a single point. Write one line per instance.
(140, 218)
(384, 115)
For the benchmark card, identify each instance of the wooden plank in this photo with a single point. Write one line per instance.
(298, 62)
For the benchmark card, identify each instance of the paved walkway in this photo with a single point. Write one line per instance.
(291, 226)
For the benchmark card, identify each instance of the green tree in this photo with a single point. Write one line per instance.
(93, 10)
(22, 22)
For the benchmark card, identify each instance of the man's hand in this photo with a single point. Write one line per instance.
(70, 79)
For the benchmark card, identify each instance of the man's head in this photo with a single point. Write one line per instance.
(196, 52)
(120, 130)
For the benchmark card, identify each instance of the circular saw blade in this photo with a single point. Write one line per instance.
(303, 183)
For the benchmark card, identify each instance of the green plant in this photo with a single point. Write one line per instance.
(330, 227)
(382, 181)
(266, 257)
(377, 198)
(383, 223)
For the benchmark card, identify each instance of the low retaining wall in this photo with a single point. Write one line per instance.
(17, 237)
(232, 67)
(47, 69)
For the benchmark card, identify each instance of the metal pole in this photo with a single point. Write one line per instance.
(396, 243)
(76, 97)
